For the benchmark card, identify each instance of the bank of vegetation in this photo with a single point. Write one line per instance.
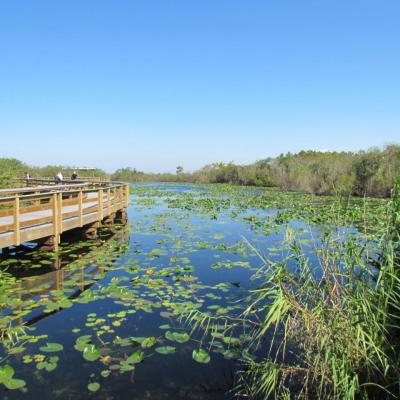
(343, 326)
(363, 173)
(370, 173)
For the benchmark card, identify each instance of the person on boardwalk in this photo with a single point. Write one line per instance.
(27, 177)
(74, 176)
(58, 178)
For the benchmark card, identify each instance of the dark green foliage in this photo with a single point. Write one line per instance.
(366, 173)
(133, 175)
(9, 168)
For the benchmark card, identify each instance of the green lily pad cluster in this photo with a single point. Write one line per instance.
(7, 378)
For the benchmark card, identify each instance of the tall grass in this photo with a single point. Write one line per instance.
(335, 335)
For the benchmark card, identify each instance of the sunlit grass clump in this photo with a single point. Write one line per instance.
(335, 333)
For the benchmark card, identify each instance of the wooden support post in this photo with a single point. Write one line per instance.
(121, 216)
(90, 231)
(80, 208)
(109, 220)
(49, 243)
(17, 233)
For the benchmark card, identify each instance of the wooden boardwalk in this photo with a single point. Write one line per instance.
(43, 213)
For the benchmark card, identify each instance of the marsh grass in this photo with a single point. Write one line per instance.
(341, 326)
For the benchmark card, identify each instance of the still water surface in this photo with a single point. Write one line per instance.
(125, 295)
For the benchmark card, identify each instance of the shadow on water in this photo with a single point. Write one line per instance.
(40, 273)
(27, 260)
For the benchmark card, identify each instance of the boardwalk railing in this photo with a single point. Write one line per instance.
(34, 181)
(30, 214)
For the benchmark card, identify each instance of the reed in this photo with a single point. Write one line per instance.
(335, 335)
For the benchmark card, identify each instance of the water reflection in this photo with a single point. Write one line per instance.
(72, 270)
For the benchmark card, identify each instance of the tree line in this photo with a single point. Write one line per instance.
(369, 173)
(363, 173)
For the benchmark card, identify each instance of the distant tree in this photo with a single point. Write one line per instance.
(179, 170)
(11, 168)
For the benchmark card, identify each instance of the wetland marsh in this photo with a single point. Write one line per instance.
(172, 306)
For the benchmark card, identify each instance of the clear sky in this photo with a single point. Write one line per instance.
(155, 84)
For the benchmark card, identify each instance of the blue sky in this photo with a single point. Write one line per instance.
(155, 84)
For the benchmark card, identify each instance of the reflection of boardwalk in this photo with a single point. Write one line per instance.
(69, 279)
(44, 212)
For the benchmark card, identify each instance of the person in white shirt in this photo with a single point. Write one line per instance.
(59, 178)
(27, 177)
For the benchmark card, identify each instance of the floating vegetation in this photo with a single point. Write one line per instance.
(167, 309)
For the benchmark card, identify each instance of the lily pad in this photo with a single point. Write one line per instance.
(149, 342)
(82, 341)
(136, 357)
(91, 352)
(6, 378)
(125, 366)
(177, 337)
(94, 386)
(52, 347)
(165, 349)
(105, 373)
(201, 356)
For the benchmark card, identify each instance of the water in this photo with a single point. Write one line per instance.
(128, 288)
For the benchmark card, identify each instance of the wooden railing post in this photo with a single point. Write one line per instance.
(37, 202)
(60, 214)
(126, 195)
(108, 201)
(56, 232)
(114, 200)
(17, 233)
(80, 208)
(55, 212)
(100, 205)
